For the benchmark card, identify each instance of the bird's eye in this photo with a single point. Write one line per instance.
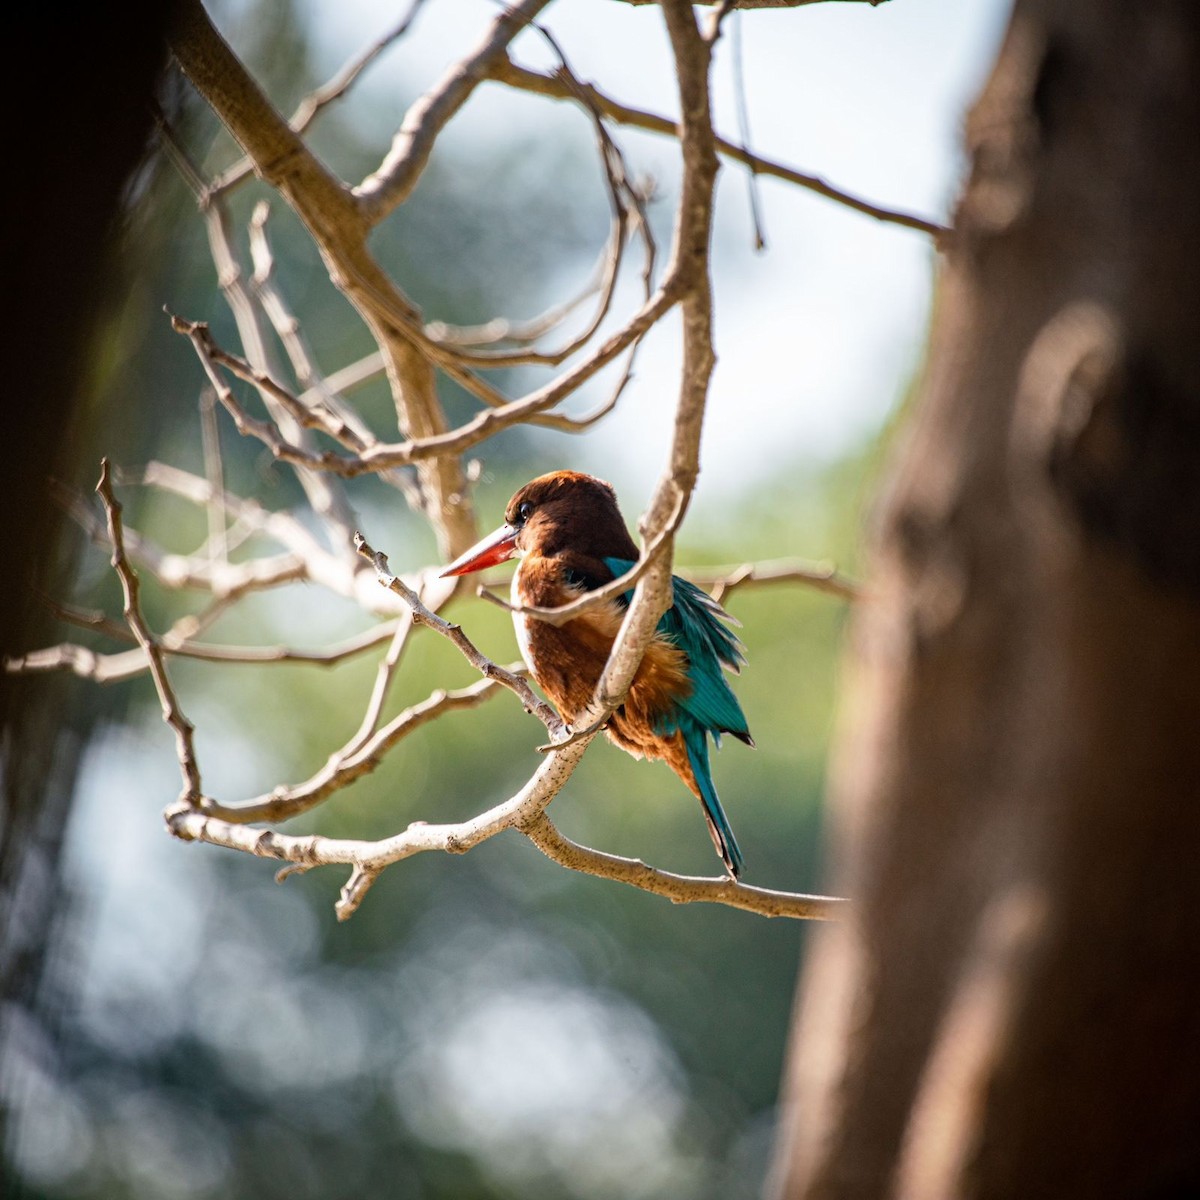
(523, 511)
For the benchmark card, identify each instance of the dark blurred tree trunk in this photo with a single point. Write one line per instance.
(1014, 1011)
(78, 100)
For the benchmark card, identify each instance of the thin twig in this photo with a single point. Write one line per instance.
(384, 675)
(291, 336)
(385, 305)
(716, 19)
(315, 102)
(366, 369)
(327, 496)
(317, 392)
(116, 667)
(628, 209)
(482, 426)
(210, 436)
(743, 118)
(309, 560)
(506, 71)
(179, 571)
(172, 713)
(389, 186)
(282, 527)
(721, 581)
(823, 576)
(501, 330)
(679, 889)
(489, 670)
(356, 759)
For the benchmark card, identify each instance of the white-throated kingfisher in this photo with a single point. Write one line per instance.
(571, 538)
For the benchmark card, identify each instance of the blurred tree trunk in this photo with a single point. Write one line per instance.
(1014, 1010)
(83, 124)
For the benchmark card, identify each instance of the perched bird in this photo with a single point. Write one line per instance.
(571, 538)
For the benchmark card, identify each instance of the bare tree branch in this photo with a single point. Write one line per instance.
(385, 674)
(370, 367)
(824, 576)
(506, 71)
(341, 572)
(743, 120)
(524, 811)
(335, 218)
(360, 756)
(317, 391)
(484, 665)
(315, 102)
(393, 182)
(210, 436)
(679, 889)
(689, 267)
(454, 441)
(329, 502)
(178, 571)
(722, 581)
(340, 219)
(172, 714)
(520, 333)
(368, 859)
(114, 668)
(628, 211)
(320, 417)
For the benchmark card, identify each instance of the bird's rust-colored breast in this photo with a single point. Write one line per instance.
(567, 660)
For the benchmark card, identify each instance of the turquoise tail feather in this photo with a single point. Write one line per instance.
(694, 623)
(696, 741)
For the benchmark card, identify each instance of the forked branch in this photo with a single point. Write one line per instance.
(412, 353)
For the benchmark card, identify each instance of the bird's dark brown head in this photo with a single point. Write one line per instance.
(563, 513)
(567, 510)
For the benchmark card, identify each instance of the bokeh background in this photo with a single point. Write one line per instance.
(485, 1026)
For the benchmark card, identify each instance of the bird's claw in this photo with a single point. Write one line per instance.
(575, 735)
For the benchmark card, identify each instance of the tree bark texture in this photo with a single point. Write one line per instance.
(1014, 1009)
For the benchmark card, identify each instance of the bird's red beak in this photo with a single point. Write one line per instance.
(493, 549)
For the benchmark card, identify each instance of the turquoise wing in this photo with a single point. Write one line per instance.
(696, 624)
